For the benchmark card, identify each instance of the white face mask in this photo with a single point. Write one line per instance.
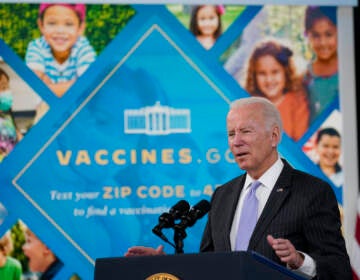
(6, 100)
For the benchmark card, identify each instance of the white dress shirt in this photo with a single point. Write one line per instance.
(268, 180)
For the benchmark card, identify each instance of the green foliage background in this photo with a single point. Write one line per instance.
(286, 25)
(288, 22)
(18, 238)
(103, 22)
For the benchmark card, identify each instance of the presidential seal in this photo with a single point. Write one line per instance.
(162, 276)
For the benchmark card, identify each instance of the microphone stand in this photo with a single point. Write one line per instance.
(179, 236)
(166, 220)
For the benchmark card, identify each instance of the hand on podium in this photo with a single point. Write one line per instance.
(145, 251)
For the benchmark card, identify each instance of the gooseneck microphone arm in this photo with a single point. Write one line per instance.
(187, 219)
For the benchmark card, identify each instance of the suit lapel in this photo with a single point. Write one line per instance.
(277, 197)
(230, 208)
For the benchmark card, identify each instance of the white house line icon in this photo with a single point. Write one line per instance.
(157, 120)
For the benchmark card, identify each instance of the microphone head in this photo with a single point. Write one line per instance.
(179, 209)
(196, 212)
(203, 206)
(199, 210)
(167, 219)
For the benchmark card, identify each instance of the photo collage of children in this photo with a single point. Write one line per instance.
(287, 54)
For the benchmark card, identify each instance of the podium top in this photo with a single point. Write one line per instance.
(211, 265)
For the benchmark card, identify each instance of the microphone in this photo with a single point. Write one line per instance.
(196, 212)
(167, 220)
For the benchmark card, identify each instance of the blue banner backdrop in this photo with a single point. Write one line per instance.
(143, 128)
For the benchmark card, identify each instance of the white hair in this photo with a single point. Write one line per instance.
(270, 113)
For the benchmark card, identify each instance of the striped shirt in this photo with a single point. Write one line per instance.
(39, 57)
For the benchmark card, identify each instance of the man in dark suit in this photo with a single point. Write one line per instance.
(298, 222)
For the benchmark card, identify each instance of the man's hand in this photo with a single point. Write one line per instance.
(145, 251)
(286, 251)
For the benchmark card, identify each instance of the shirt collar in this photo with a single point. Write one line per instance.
(269, 178)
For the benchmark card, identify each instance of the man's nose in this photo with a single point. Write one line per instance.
(237, 140)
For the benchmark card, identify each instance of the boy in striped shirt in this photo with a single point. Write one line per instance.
(62, 54)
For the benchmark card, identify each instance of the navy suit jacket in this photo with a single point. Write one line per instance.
(301, 208)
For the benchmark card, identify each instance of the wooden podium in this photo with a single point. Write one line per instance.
(207, 266)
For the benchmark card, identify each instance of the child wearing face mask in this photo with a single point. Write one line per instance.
(205, 24)
(9, 135)
(62, 54)
(321, 78)
(271, 74)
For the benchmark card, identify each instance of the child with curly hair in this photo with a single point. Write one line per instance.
(271, 74)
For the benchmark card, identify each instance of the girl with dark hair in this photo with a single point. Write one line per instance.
(321, 78)
(205, 24)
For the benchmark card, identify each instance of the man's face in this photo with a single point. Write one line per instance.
(252, 144)
(35, 250)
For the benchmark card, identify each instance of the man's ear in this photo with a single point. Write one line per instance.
(275, 136)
